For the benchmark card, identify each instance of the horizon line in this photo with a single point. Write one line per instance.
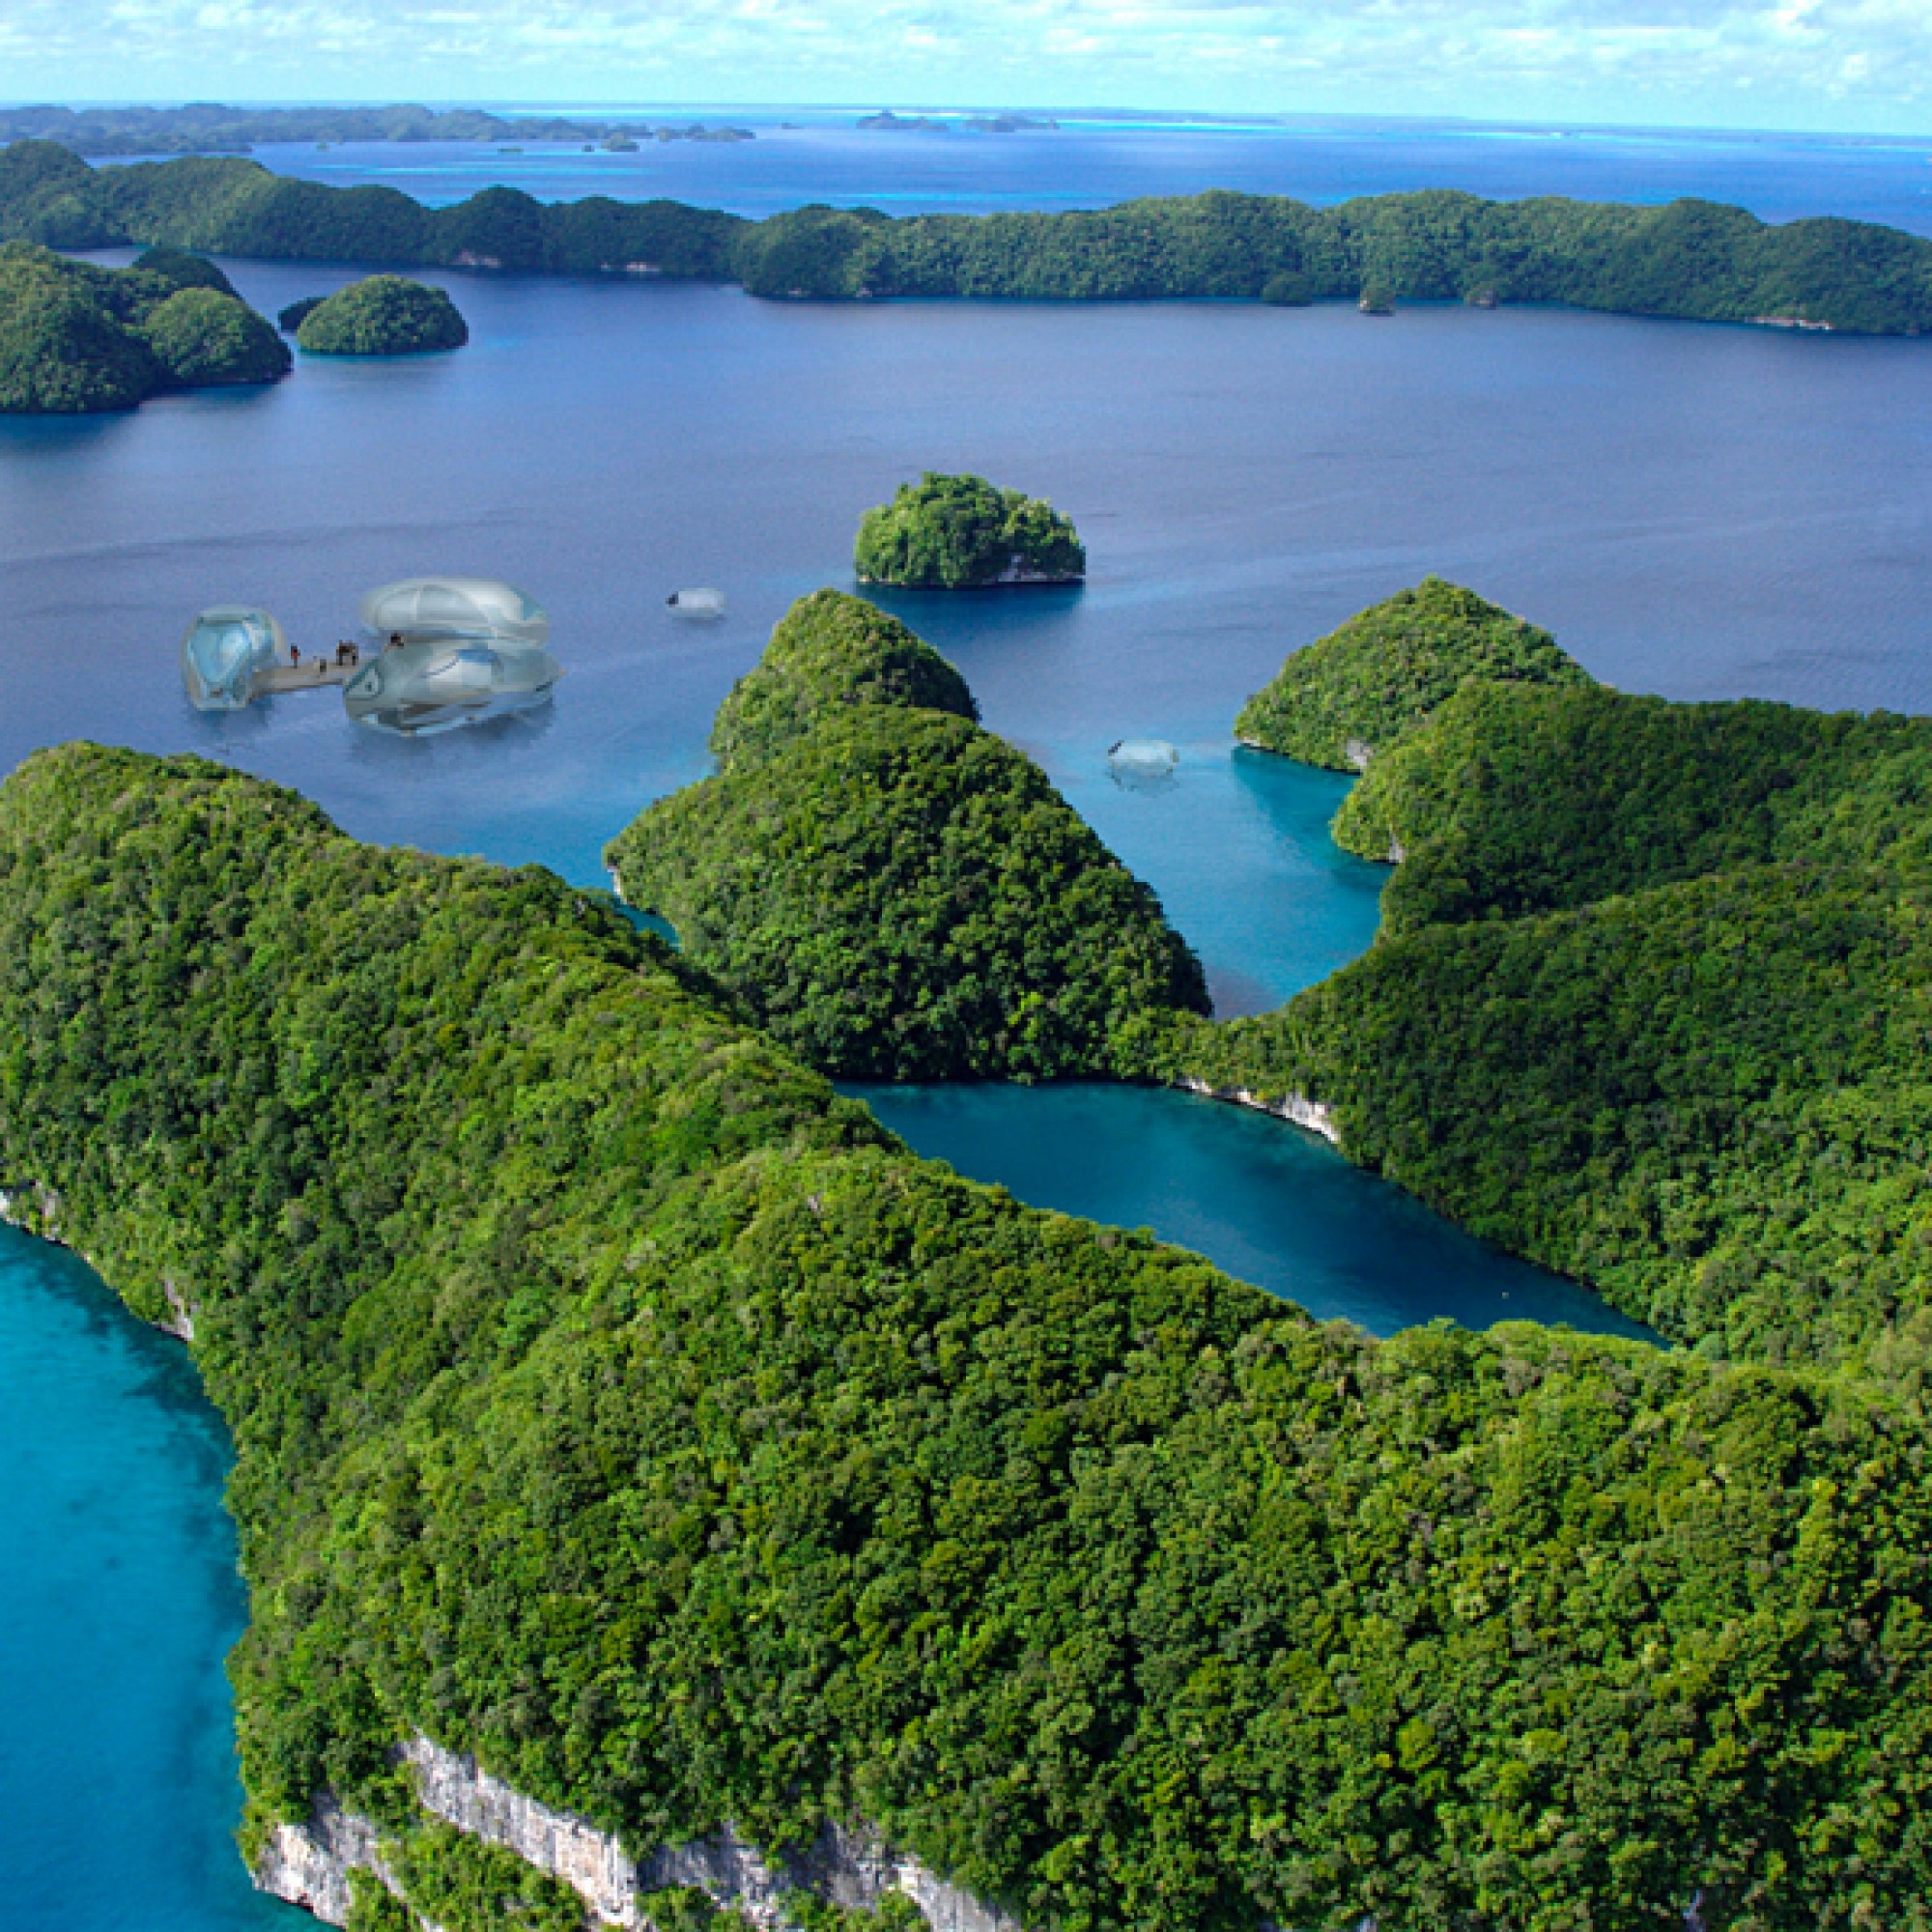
(1286, 120)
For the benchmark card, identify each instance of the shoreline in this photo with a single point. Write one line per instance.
(1313, 1117)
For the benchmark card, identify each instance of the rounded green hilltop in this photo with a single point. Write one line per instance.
(75, 338)
(382, 315)
(963, 534)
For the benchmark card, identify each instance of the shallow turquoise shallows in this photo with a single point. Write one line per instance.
(119, 1796)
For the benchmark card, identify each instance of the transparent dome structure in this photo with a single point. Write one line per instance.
(697, 603)
(445, 651)
(225, 653)
(1143, 761)
(417, 689)
(420, 608)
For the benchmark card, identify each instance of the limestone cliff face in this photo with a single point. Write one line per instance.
(30, 1205)
(180, 1312)
(1316, 1116)
(309, 1864)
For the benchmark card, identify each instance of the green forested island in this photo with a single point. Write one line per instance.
(890, 891)
(613, 1401)
(1692, 258)
(1649, 1003)
(208, 128)
(381, 315)
(1355, 693)
(291, 318)
(829, 656)
(75, 338)
(962, 533)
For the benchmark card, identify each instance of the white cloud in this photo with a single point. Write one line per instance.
(1860, 63)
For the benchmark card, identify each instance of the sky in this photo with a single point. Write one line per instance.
(1855, 66)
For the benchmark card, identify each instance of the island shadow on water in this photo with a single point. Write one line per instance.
(1265, 1201)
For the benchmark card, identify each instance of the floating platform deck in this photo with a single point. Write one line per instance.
(311, 674)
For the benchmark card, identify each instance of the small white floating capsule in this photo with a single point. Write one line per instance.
(1142, 761)
(697, 603)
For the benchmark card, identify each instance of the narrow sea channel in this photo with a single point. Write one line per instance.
(1261, 1199)
(1264, 1200)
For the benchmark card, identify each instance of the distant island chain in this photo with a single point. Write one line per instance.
(1693, 260)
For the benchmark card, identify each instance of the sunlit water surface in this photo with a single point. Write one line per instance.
(1093, 160)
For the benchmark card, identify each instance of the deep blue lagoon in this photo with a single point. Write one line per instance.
(1694, 510)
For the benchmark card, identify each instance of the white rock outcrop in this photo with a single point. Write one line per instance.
(1315, 1115)
(180, 1312)
(309, 1864)
(36, 1208)
(32, 1207)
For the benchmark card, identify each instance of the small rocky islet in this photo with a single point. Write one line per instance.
(965, 533)
(379, 315)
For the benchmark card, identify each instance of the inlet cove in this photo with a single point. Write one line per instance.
(832, 1307)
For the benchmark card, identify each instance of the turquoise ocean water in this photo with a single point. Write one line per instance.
(1696, 511)
(118, 1599)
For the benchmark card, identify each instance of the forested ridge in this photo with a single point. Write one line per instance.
(75, 338)
(892, 892)
(1649, 1002)
(612, 1400)
(1692, 259)
(1519, 801)
(1356, 693)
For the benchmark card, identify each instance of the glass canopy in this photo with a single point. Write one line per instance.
(225, 652)
(419, 689)
(444, 651)
(453, 607)
(1142, 761)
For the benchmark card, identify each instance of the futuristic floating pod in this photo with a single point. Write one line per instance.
(449, 651)
(417, 690)
(444, 651)
(700, 604)
(1143, 761)
(419, 607)
(225, 652)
